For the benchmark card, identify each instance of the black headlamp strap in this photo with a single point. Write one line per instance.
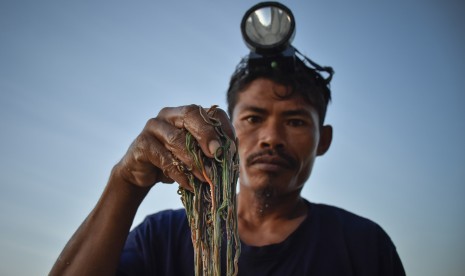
(327, 69)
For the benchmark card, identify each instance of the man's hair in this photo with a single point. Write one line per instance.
(305, 81)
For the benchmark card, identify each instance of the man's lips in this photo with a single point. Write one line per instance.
(271, 160)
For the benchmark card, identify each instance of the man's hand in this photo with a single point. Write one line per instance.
(156, 155)
(159, 151)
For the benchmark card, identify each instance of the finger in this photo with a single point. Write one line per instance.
(226, 125)
(221, 116)
(195, 120)
(155, 153)
(174, 140)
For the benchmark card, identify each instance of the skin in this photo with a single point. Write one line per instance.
(269, 185)
(279, 140)
(95, 247)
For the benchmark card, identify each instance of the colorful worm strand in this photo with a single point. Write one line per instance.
(211, 207)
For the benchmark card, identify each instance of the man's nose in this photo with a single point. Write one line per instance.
(272, 135)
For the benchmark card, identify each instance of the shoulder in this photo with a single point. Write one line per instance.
(155, 245)
(167, 216)
(335, 216)
(370, 249)
(158, 232)
(355, 230)
(166, 221)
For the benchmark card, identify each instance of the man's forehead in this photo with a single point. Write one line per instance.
(268, 92)
(265, 85)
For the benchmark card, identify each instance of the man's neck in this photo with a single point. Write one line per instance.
(267, 218)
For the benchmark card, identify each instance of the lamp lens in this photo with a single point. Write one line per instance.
(268, 26)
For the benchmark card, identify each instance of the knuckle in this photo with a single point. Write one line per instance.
(163, 163)
(164, 111)
(152, 122)
(191, 107)
(141, 141)
(138, 155)
(188, 109)
(220, 113)
(223, 117)
(173, 138)
(139, 148)
(176, 143)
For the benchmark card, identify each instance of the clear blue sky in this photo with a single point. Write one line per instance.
(79, 80)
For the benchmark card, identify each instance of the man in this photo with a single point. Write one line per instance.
(277, 114)
(278, 117)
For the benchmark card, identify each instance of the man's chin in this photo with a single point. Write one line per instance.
(260, 181)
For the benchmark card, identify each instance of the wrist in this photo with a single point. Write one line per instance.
(122, 185)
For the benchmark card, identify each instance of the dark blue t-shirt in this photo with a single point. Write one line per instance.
(330, 241)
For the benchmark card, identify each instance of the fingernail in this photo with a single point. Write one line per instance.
(213, 146)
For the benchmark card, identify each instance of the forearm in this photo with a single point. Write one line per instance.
(156, 155)
(96, 246)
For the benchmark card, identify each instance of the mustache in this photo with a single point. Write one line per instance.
(282, 154)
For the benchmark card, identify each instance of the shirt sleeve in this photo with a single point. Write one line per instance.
(390, 263)
(135, 253)
(158, 245)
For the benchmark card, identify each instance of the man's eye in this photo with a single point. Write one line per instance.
(253, 119)
(296, 122)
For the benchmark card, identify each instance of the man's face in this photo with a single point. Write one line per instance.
(278, 138)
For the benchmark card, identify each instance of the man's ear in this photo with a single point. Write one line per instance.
(326, 136)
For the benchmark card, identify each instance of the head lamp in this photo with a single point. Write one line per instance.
(268, 29)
